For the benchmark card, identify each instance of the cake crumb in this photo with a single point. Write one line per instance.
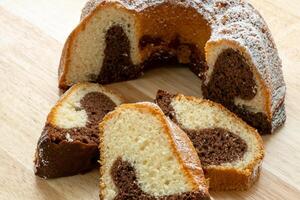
(68, 137)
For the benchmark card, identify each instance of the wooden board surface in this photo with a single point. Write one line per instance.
(31, 37)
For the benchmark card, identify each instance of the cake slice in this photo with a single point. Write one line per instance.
(146, 156)
(69, 142)
(230, 151)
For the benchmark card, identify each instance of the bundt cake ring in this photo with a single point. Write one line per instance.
(226, 43)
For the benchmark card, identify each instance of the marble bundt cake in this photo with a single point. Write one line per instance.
(230, 151)
(69, 142)
(225, 42)
(144, 155)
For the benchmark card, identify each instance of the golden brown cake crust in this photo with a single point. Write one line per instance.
(231, 179)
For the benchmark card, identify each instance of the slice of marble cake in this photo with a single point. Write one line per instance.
(69, 142)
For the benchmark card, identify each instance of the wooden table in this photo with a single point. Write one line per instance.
(31, 37)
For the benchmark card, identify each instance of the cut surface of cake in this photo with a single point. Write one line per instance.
(69, 142)
(230, 151)
(144, 155)
(226, 43)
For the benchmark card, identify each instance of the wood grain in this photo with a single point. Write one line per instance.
(31, 38)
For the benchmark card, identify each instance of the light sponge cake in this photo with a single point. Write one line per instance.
(144, 155)
(69, 142)
(230, 151)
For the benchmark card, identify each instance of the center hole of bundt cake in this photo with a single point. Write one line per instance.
(117, 63)
(216, 146)
(175, 51)
(124, 177)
